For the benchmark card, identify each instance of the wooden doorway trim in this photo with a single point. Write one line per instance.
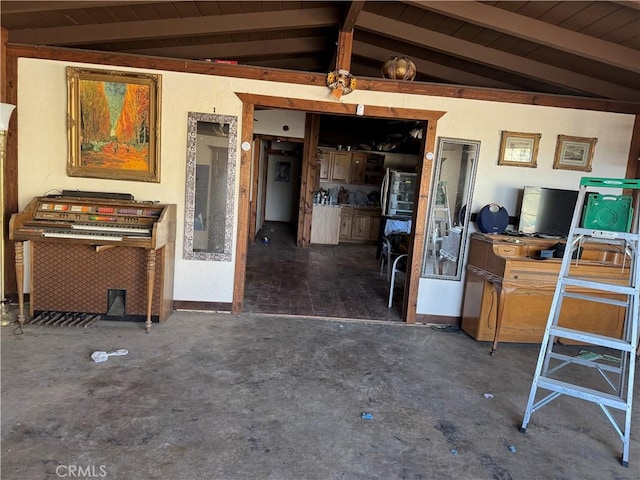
(251, 101)
(255, 179)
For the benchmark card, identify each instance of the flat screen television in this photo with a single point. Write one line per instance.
(547, 211)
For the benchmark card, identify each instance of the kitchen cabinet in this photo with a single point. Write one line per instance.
(374, 169)
(350, 167)
(374, 227)
(346, 215)
(359, 224)
(341, 163)
(324, 157)
(357, 167)
(325, 224)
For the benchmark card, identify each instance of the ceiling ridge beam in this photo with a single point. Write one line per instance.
(537, 31)
(432, 69)
(234, 50)
(495, 58)
(176, 27)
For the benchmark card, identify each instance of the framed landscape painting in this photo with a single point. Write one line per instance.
(113, 128)
(519, 149)
(574, 153)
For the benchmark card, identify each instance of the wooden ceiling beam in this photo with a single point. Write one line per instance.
(537, 31)
(345, 47)
(635, 4)
(494, 58)
(111, 59)
(351, 17)
(345, 36)
(178, 27)
(306, 63)
(432, 69)
(49, 6)
(236, 50)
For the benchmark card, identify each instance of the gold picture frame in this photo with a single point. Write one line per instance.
(574, 153)
(113, 125)
(519, 149)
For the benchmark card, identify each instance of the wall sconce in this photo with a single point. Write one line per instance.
(6, 110)
(399, 68)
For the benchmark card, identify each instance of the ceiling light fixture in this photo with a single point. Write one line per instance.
(399, 68)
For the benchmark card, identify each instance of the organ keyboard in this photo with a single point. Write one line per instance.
(82, 248)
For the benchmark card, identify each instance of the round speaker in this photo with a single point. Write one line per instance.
(492, 218)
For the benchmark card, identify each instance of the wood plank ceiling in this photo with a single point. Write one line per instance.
(575, 48)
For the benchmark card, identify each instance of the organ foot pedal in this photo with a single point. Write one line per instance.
(64, 319)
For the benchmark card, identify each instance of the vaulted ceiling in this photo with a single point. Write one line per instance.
(576, 48)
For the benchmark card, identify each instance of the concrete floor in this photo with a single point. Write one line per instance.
(217, 397)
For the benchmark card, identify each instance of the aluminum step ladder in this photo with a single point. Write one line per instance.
(440, 223)
(617, 365)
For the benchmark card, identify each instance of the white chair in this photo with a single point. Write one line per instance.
(399, 266)
(394, 244)
(385, 257)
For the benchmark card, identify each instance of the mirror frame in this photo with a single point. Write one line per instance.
(467, 211)
(192, 144)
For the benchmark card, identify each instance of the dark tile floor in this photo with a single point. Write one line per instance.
(323, 280)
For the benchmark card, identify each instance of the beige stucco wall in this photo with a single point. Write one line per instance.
(42, 153)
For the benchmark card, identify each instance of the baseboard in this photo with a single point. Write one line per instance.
(439, 319)
(202, 306)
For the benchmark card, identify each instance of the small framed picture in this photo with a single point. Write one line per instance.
(283, 172)
(574, 153)
(519, 149)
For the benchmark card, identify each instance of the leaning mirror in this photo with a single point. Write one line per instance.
(211, 166)
(448, 215)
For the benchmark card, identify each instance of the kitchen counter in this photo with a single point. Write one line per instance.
(332, 224)
(358, 206)
(325, 224)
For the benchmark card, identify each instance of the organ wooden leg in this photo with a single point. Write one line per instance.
(151, 274)
(19, 250)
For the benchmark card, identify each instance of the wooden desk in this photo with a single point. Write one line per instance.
(508, 292)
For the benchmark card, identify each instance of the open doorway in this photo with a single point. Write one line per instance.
(342, 279)
(309, 171)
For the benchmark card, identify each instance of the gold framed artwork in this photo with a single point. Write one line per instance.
(574, 153)
(519, 149)
(113, 125)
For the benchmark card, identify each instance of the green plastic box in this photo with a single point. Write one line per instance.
(608, 212)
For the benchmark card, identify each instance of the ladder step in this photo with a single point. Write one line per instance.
(608, 287)
(577, 391)
(610, 235)
(592, 338)
(591, 298)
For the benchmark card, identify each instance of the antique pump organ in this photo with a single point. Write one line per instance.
(90, 252)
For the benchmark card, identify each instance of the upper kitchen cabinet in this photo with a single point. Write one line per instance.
(324, 159)
(342, 166)
(374, 169)
(358, 167)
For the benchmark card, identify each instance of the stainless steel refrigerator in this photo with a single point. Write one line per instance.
(397, 193)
